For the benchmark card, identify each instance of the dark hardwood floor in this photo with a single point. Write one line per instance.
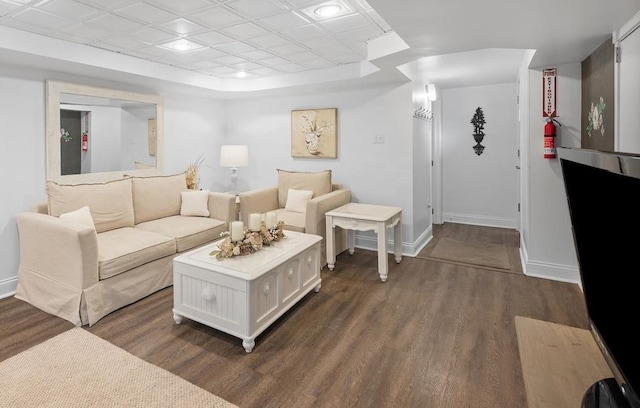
(436, 334)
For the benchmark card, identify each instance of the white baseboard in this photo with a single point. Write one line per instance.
(8, 287)
(365, 240)
(480, 220)
(546, 270)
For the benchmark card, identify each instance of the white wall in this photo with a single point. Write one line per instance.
(375, 173)
(547, 243)
(480, 189)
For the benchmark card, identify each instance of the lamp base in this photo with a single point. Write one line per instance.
(234, 181)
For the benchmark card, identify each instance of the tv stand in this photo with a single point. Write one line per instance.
(604, 394)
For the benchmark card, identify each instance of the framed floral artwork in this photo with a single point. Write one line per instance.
(314, 133)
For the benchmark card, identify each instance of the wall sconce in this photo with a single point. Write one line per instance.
(234, 156)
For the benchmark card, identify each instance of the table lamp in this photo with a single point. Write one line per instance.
(234, 156)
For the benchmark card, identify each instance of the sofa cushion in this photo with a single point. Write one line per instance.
(189, 232)
(318, 182)
(293, 221)
(156, 197)
(123, 249)
(195, 203)
(80, 216)
(110, 203)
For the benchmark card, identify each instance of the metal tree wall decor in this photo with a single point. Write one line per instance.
(478, 130)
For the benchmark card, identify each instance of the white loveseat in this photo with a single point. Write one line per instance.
(82, 267)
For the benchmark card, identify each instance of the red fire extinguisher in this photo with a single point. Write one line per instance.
(550, 139)
(85, 142)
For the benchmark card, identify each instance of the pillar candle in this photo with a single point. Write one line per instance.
(270, 219)
(254, 222)
(237, 231)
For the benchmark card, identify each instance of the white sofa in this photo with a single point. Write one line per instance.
(82, 267)
(306, 216)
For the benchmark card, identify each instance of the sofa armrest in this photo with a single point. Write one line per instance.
(222, 206)
(315, 222)
(258, 201)
(57, 249)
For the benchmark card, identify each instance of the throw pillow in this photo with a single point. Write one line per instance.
(195, 203)
(80, 216)
(297, 200)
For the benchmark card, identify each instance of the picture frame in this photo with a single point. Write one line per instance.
(314, 133)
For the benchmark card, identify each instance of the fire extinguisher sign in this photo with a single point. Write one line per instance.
(549, 93)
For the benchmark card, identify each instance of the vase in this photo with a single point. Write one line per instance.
(313, 141)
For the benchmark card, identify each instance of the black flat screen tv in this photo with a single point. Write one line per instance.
(603, 195)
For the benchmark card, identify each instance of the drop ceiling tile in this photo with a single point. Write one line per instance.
(334, 51)
(255, 8)
(19, 25)
(265, 72)
(362, 34)
(287, 49)
(256, 55)
(268, 41)
(182, 26)
(6, 8)
(290, 68)
(318, 63)
(302, 57)
(229, 60)
(322, 43)
(212, 38)
(247, 66)
(85, 33)
(71, 9)
(305, 32)
(221, 71)
(234, 48)
(217, 17)
(245, 31)
(44, 19)
(115, 23)
(284, 21)
(345, 23)
(204, 65)
(145, 13)
(181, 58)
(125, 43)
(152, 35)
(209, 53)
(108, 4)
(274, 61)
(347, 58)
(182, 6)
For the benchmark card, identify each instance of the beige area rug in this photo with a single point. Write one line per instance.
(474, 253)
(559, 363)
(79, 369)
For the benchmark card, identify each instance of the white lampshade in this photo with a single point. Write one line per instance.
(234, 156)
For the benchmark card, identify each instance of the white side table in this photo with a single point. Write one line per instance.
(366, 217)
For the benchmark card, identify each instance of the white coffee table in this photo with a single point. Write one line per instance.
(366, 217)
(243, 295)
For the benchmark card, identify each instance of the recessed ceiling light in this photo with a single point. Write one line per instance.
(241, 74)
(182, 45)
(328, 10)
